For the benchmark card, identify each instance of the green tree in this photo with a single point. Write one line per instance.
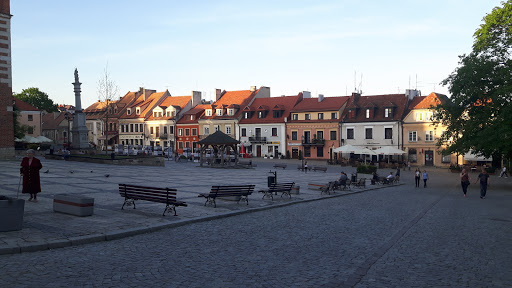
(38, 99)
(478, 115)
(19, 129)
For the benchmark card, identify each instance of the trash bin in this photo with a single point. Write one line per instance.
(354, 177)
(296, 189)
(271, 180)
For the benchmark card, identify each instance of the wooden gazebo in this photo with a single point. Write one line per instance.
(221, 144)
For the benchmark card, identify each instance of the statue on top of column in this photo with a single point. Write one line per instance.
(76, 75)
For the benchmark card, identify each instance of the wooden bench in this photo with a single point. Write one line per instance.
(330, 187)
(280, 165)
(245, 163)
(320, 168)
(131, 193)
(238, 191)
(342, 187)
(361, 183)
(283, 188)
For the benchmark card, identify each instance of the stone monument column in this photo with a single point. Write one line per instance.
(79, 131)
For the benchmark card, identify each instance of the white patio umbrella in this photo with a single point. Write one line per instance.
(365, 151)
(43, 139)
(345, 149)
(389, 150)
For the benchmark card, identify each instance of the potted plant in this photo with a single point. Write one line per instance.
(11, 213)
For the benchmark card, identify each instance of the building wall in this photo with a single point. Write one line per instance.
(34, 122)
(313, 129)
(273, 145)
(6, 108)
(181, 141)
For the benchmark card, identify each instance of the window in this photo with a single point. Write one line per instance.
(129, 111)
(429, 135)
(369, 133)
(187, 132)
(244, 132)
(30, 117)
(137, 111)
(180, 145)
(419, 116)
(307, 151)
(131, 128)
(218, 112)
(246, 115)
(413, 157)
(187, 144)
(171, 129)
(165, 129)
(295, 116)
(194, 132)
(350, 133)
(141, 129)
(231, 112)
(30, 130)
(191, 117)
(208, 112)
(307, 116)
(446, 159)
(387, 112)
(367, 114)
(180, 132)
(217, 128)
(333, 135)
(294, 135)
(388, 133)
(261, 114)
(334, 115)
(155, 114)
(351, 113)
(320, 116)
(413, 136)
(122, 128)
(320, 152)
(277, 114)
(206, 130)
(274, 131)
(151, 130)
(228, 129)
(136, 128)
(157, 131)
(319, 135)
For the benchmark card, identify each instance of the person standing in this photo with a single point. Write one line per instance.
(30, 167)
(464, 181)
(417, 175)
(484, 182)
(397, 172)
(306, 166)
(504, 172)
(425, 178)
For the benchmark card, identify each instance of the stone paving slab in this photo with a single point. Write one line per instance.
(44, 229)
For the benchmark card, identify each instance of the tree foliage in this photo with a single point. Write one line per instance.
(38, 99)
(478, 116)
(19, 129)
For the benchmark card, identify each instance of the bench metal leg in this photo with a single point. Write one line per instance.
(170, 208)
(267, 194)
(128, 202)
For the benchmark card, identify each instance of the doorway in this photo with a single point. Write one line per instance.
(429, 158)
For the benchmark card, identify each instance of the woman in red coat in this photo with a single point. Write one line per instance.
(30, 167)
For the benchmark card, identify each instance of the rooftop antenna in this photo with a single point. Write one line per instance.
(361, 85)
(355, 77)
(416, 81)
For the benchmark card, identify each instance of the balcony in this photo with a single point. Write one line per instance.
(258, 139)
(163, 136)
(313, 142)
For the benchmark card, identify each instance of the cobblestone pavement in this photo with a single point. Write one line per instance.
(398, 236)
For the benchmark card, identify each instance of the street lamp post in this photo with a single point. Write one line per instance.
(302, 145)
(68, 117)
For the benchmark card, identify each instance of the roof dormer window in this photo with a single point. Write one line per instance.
(191, 117)
(218, 112)
(137, 111)
(129, 111)
(388, 112)
(231, 112)
(208, 112)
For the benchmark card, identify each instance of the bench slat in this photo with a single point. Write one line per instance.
(152, 194)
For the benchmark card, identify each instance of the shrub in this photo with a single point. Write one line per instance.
(366, 169)
(455, 167)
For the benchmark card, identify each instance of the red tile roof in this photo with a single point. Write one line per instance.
(229, 98)
(328, 104)
(24, 106)
(286, 102)
(177, 101)
(377, 103)
(433, 99)
(146, 105)
(51, 122)
(196, 111)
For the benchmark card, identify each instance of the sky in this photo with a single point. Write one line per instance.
(325, 47)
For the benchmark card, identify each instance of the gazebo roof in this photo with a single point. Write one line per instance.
(218, 138)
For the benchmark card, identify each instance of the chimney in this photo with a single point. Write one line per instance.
(218, 93)
(320, 97)
(263, 92)
(356, 96)
(306, 94)
(253, 88)
(196, 98)
(411, 93)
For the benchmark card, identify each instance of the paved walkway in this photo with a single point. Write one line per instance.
(43, 229)
(398, 236)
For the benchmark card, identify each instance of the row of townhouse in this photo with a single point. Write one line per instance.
(274, 126)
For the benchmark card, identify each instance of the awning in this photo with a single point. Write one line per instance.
(474, 157)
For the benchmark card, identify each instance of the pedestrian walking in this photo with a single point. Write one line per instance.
(397, 172)
(306, 166)
(425, 178)
(504, 172)
(464, 181)
(409, 165)
(417, 175)
(30, 167)
(484, 182)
